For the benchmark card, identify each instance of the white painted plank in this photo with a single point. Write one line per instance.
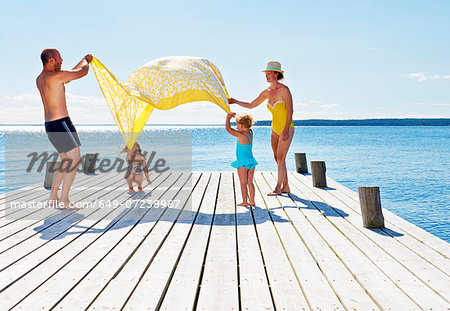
(37, 187)
(403, 267)
(418, 244)
(182, 290)
(424, 237)
(115, 289)
(12, 214)
(101, 237)
(383, 290)
(44, 217)
(255, 293)
(33, 237)
(219, 285)
(351, 294)
(318, 291)
(286, 291)
(153, 273)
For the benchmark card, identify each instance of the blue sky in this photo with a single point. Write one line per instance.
(343, 59)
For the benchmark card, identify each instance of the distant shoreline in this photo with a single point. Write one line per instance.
(310, 122)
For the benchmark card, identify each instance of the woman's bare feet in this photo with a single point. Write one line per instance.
(286, 190)
(274, 193)
(252, 203)
(242, 204)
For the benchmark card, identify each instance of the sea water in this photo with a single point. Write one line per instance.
(411, 165)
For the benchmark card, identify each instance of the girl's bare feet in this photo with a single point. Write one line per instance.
(242, 204)
(251, 203)
(130, 189)
(140, 189)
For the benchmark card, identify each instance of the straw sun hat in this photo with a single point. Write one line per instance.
(273, 66)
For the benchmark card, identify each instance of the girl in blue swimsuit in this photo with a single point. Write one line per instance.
(245, 162)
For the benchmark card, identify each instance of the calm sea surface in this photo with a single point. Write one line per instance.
(411, 165)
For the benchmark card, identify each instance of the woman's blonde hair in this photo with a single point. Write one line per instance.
(245, 119)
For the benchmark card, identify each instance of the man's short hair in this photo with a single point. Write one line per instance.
(47, 54)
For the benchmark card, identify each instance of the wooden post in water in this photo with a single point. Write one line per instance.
(300, 163)
(319, 177)
(371, 212)
(50, 169)
(89, 163)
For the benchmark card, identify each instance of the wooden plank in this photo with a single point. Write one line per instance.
(427, 239)
(219, 284)
(315, 286)
(432, 256)
(286, 291)
(45, 217)
(347, 289)
(116, 288)
(403, 267)
(37, 281)
(52, 236)
(148, 279)
(30, 239)
(34, 188)
(40, 196)
(378, 284)
(427, 253)
(181, 293)
(254, 285)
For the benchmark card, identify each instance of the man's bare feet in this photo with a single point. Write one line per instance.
(242, 204)
(66, 204)
(53, 202)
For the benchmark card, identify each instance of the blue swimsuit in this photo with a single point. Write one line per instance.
(244, 156)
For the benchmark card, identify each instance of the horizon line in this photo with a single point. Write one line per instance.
(209, 124)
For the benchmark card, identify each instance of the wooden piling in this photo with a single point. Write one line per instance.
(318, 171)
(371, 212)
(300, 163)
(50, 169)
(89, 163)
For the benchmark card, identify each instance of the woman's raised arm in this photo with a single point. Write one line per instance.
(255, 103)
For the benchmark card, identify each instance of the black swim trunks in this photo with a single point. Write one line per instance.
(62, 134)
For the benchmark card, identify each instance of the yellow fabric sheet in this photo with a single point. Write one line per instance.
(164, 84)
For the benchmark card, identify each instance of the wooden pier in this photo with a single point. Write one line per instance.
(304, 251)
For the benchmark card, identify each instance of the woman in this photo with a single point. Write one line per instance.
(280, 105)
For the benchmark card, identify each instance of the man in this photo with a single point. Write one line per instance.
(59, 127)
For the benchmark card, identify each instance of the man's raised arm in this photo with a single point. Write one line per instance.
(80, 70)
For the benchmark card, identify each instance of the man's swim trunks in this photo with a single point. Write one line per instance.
(62, 134)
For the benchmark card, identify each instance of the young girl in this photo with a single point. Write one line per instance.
(245, 162)
(137, 167)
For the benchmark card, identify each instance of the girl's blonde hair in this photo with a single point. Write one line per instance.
(245, 119)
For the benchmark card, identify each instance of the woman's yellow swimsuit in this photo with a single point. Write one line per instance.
(279, 114)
